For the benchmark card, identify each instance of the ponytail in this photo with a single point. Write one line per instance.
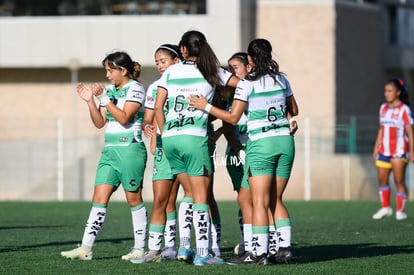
(401, 86)
(136, 71)
(207, 62)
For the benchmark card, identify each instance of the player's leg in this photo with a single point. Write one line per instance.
(95, 221)
(131, 168)
(185, 220)
(282, 224)
(384, 167)
(139, 224)
(161, 192)
(215, 222)
(260, 188)
(106, 182)
(170, 232)
(244, 200)
(286, 155)
(235, 170)
(399, 166)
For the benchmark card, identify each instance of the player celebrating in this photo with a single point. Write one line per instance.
(124, 155)
(165, 187)
(184, 129)
(270, 148)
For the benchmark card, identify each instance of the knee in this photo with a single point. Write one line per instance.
(134, 200)
(160, 201)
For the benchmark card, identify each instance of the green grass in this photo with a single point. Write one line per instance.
(328, 238)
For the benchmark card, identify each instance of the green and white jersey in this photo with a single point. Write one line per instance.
(180, 80)
(117, 134)
(151, 95)
(267, 114)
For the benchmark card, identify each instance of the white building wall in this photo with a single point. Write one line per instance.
(53, 41)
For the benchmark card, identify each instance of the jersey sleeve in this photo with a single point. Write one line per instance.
(407, 116)
(150, 96)
(243, 90)
(286, 84)
(224, 75)
(136, 93)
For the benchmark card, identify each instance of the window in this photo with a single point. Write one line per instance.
(99, 7)
(401, 26)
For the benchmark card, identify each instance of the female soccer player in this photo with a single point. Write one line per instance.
(124, 155)
(184, 129)
(165, 187)
(270, 148)
(394, 147)
(236, 137)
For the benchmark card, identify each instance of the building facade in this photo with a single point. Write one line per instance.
(337, 55)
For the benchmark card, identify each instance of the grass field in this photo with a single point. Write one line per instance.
(328, 238)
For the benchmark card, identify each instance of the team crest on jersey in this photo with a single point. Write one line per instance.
(150, 99)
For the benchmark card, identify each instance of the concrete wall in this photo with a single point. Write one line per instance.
(54, 41)
(302, 34)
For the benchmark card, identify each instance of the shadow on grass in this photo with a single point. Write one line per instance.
(302, 254)
(320, 253)
(73, 243)
(29, 227)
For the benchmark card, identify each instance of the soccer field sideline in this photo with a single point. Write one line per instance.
(328, 237)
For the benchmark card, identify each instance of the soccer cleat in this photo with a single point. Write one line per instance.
(272, 257)
(400, 215)
(135, 253)
(283, 255)
(150, 256)
(169, 253)
(239, 248)
(382, 213)
(78, 253)
(215, 252)
(245, 258)
(185, 255)
(260, 259)
(207, 260)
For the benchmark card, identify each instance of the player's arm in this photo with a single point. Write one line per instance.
(123, 116)
(377, 144)
(98, 117)
(232, 116)
(410, 135)
(148, 122)
(153, 142)
(159, 107)
(292, 106)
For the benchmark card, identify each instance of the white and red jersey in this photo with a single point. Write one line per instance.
(393, 120)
